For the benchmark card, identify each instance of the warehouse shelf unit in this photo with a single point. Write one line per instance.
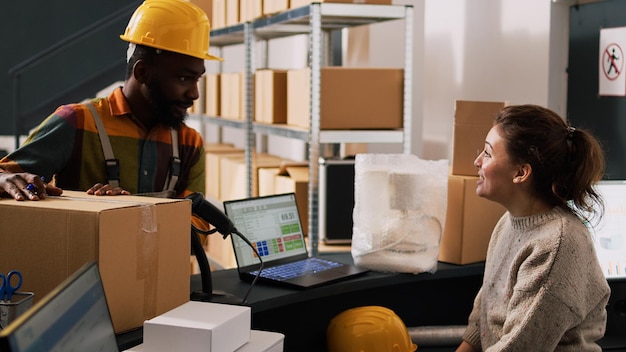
(316, 20)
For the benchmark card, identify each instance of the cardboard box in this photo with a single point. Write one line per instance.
(264, 341)
(266, 180)
(270, 104)
(232, 185)
(298, 3)
(273, 6)
(295, 178)
(205, 5)
(199, 105)
(232, 12)
(141, 245)
(230, 95)
(472, 122)
(250, 9)
(212, 94)
(213, 167)
(198, 326)
(351, 98)
(260, 341)
(218, 14)
(470, 220)
(233, 174)
(288, 177)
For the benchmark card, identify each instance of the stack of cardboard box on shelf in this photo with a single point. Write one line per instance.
(224, 13)
(351, 98)
(470, 219)
(226, 178)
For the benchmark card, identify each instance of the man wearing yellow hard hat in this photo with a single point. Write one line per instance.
(135, 140)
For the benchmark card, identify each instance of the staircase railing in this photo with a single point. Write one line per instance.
(17, 71)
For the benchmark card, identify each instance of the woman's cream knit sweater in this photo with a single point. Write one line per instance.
(543, 289)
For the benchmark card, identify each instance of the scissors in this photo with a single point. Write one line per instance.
(6, 289)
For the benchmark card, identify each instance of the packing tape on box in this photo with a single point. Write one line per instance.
(147, 248)
(148, 210)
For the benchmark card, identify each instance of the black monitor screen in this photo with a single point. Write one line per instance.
(610, 234)
(73, 317)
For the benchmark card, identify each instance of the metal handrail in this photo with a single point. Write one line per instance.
(15, 71)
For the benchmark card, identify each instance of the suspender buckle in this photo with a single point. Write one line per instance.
(175, 166)
(113, 169)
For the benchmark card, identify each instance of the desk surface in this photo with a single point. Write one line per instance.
(265, 297)
(442, 298)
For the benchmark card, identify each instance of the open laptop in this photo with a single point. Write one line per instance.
(272, 224)
(73, 317)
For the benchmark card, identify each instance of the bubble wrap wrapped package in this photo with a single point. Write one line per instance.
(399, 210)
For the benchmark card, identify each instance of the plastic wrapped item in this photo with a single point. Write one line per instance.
(399, 210)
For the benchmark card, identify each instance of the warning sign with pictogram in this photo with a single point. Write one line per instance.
(612, 78)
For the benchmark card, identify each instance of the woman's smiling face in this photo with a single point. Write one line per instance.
(495, 170)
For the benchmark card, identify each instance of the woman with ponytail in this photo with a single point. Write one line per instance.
(543, 289)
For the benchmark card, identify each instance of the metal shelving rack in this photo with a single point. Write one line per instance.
(316, 20)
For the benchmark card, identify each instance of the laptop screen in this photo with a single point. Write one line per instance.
(73, 317)
(271, 224)
(609, 235)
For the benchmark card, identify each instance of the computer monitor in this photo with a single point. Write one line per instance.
(609, 234)
(73, 317)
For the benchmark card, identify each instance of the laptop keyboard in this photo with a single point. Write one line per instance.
(299, 268)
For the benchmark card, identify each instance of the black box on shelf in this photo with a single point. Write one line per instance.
(336, 200)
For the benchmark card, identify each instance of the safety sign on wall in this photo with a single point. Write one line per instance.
(612, 78)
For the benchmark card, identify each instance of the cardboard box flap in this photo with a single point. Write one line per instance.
(298, 173)
(285, 165)
(80, 201)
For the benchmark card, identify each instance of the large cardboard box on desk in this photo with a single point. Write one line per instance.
(350, 98)
(469, 222)
(141, 245)
(472, 122)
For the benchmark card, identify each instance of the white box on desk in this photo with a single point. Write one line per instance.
(264, 341)
(198, 326)
(260, 341)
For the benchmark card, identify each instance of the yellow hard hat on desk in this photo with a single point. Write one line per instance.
(173, 25)
(368, 329)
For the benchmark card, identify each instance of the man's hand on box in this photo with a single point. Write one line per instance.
(100, 189)
(26, 186)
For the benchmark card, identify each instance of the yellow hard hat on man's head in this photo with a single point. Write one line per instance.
(368, 329)
(173, 25)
